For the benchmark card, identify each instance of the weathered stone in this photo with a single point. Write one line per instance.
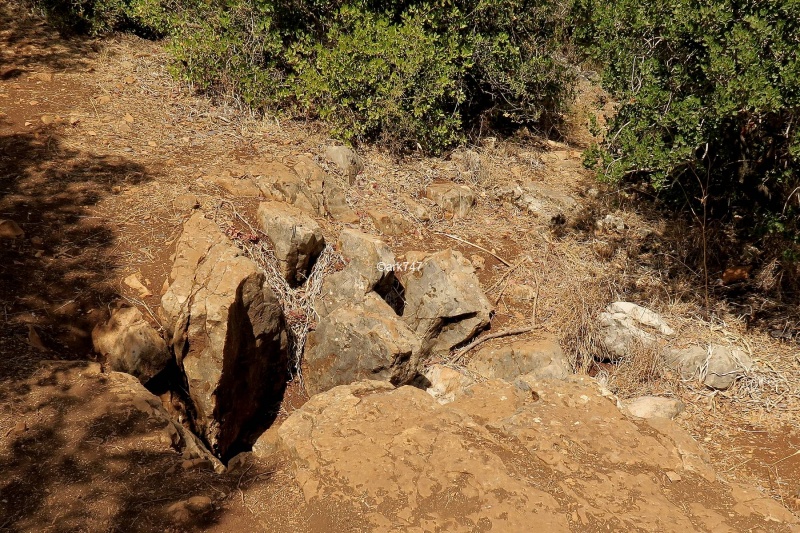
(587, 457)
(346, 160)
(267, 444)
(642, 315)
(335, 202)
(129, 344)
(626, 326)
(445, 383)
(416, 209)
(445, 304)
(239, 186)
(220, 315)
(365, 254)
(314, 178)
(297, 238)
(453, 198)
(185, 202)
(360, 341)
(369, 263)
(549, 204)
(389, 222)
(654, 406)
(715, 366)
(279, 181)
(541, 358)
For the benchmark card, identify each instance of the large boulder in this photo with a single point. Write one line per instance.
(130, 344)
(453, 198)
(226, 329)
(716, 366)
(555, 456)
(445, 304)
(625, 326)
(360, 341)
(369, 261)
(542, 358)
(297, 238)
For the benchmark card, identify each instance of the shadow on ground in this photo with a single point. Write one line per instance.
(28, 43)
(86, 452)
(60, 270)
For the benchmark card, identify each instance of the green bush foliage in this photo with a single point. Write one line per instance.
(709, 102)
(409, 74)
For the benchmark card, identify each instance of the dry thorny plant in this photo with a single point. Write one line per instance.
(297, 303)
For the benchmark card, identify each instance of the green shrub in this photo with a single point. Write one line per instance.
(98, 17)
(709, 98)
(373, 79)
(408, 74)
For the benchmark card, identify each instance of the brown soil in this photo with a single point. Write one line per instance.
(97, 140)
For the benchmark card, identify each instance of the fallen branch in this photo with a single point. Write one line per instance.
(481, 340)
(508, 273)
(459, 239)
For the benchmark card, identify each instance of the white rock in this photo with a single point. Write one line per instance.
(715, 366)
(654, 407)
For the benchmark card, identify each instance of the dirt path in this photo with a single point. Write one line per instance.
(97, 141)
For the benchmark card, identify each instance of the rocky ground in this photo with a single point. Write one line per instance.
(333, 340)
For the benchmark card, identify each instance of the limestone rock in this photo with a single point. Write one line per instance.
(415, 208)
(715, 366)
(314, 178)
(626, 326)
(220, 315)
(541, 358)
(367, 258)
(364, 254)
(360, 341)
(399, 460)
(129, 344)
(239, 186)
(389, 222)
(267, 444)
(549, 204)
(346, 160)
(279, 181)
(93, 436)
(445, 384)
(296, 236)
(654, 406)
(445, 304)
(453, 198)
(335, 202)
